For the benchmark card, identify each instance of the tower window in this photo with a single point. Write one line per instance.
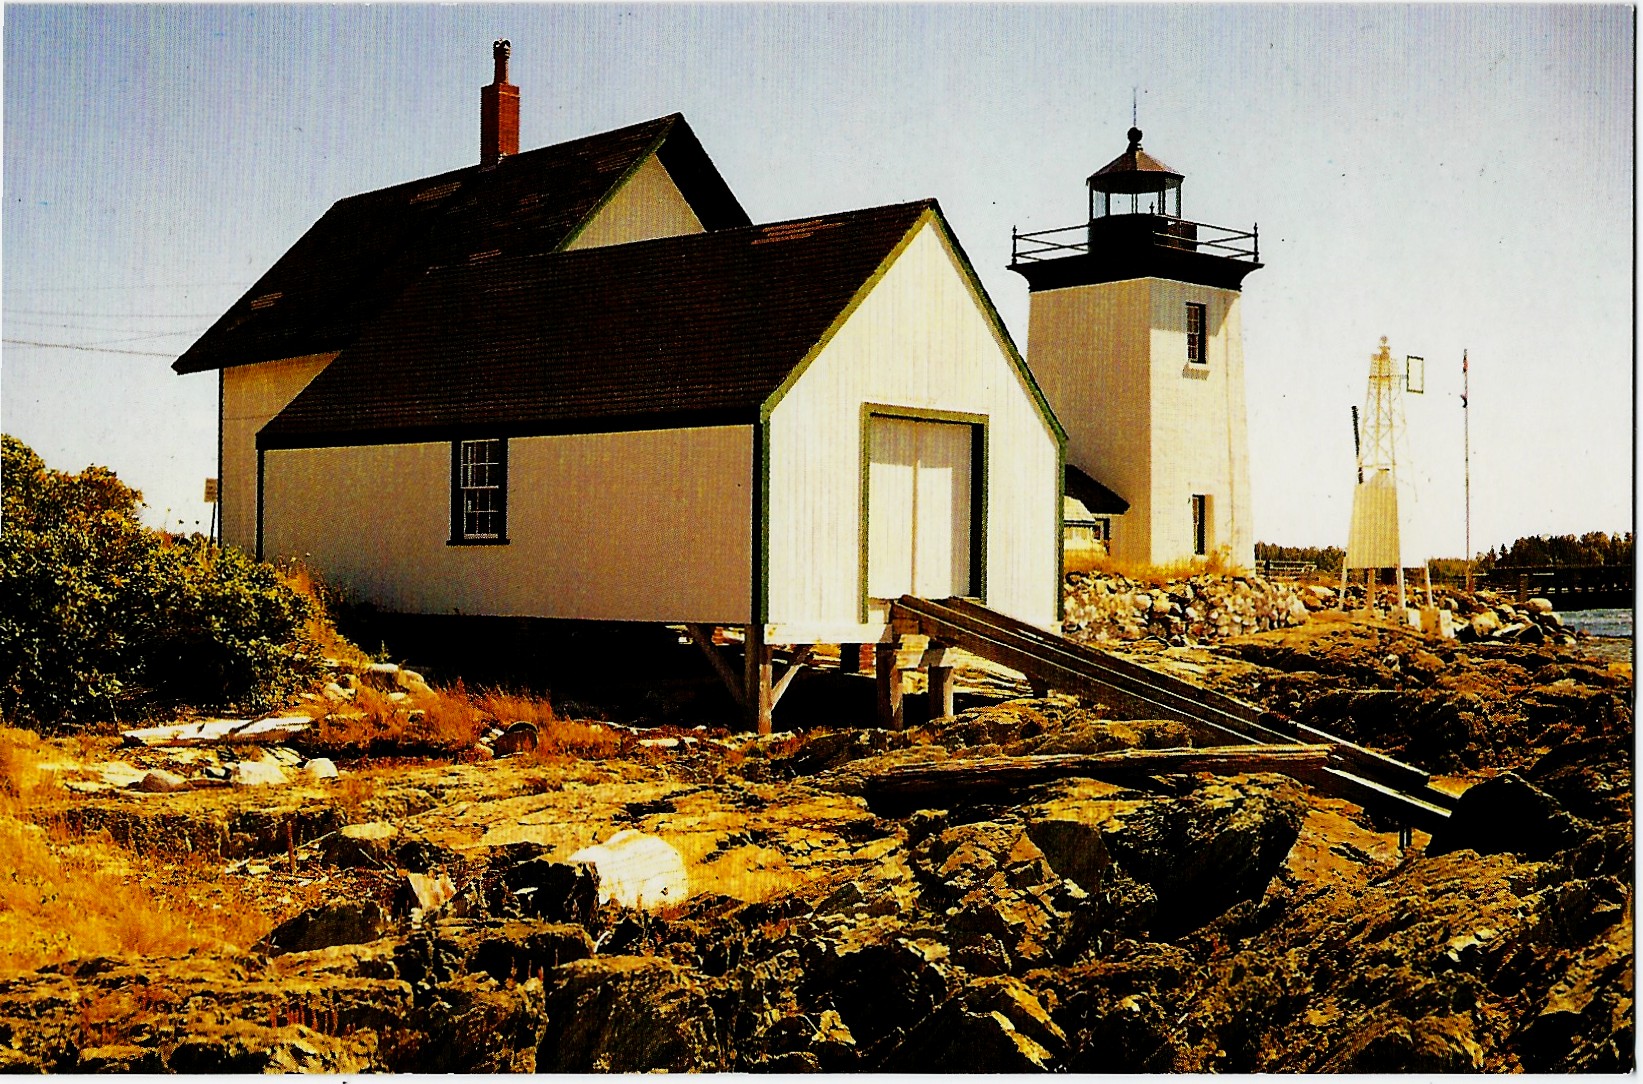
(1197, 348)
(1200, 524)
(479, 492)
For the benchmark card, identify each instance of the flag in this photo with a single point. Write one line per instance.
(1463, 379)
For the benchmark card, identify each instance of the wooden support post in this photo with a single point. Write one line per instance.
(800, 659)
(703, 638)
(850, 658)
(941, 682)
(891, 715)
(1039, 686)
(758, 668)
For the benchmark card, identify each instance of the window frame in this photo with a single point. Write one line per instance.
(1198, 341)
(460, 535)
(1200, 524)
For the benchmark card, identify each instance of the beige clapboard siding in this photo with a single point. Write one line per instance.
(251, 396)
(1090, 349)
(1200, 439)
(642, 526)
(1142, 420)
(919, 339)
(649, 205)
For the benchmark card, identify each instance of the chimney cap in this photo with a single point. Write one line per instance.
(501, 49)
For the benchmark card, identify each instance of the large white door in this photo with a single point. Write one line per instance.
(919, 516)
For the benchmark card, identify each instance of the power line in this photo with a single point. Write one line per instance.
(89, 349)
(64, 326)
(116, 315)
(141, 286)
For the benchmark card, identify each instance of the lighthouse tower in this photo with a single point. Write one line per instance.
(1134, 336)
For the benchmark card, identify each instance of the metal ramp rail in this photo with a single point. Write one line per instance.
(1373, 780)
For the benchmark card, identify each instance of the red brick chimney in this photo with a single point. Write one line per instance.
(498, 111)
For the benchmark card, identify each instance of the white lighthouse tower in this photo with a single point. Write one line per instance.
(1134, 334)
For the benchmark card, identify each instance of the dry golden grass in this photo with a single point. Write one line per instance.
(558, 739)
(448, 722)
(439, 722)
(1219, 563)
(563, 739)
(64, 896)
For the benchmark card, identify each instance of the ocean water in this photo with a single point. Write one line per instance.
(1599, 622)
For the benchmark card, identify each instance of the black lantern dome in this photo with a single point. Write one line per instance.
(1136, 174)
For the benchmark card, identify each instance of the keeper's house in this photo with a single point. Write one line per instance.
(577, 383)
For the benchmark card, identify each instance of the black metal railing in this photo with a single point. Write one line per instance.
(1161, 230)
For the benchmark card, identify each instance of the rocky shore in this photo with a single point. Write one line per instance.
(1108, 608)
(437, 920)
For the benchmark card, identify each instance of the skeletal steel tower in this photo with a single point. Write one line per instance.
(1378, 537)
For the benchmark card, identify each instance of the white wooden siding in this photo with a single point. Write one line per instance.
(649, 205)
(645, 526)
(1200, 435)
(1090, 349)
(918, 523)
(1141, 419)
(251, 396)
(919, 340)
(893, 490)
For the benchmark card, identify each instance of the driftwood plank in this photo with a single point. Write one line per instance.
(966, 778)
(218, 731)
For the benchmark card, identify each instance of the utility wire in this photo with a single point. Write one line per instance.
(115, 315)
(62, 326)
(144, 336)
(143, 286)
(89, 349)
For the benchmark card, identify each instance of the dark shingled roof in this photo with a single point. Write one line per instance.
(1100, 500)
(698, 329)
(367, 249)
(1134, 171)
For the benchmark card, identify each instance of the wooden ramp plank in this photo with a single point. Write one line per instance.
(1364, 775)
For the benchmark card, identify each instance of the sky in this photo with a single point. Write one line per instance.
(1458, 178)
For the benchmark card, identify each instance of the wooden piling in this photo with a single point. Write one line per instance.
(757, 674)
(891, 714)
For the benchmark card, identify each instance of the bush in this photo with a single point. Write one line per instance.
(103, 617)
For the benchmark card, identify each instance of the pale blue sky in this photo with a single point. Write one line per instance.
(1449, 176)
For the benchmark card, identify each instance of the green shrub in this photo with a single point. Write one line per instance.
(102, 617)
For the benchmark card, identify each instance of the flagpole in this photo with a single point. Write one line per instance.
(1466, 414)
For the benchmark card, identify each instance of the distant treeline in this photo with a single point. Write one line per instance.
(1327, 558)
(1592, 548)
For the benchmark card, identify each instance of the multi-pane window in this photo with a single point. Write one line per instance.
(1196, 340)
(1200, 524)
(481, 497)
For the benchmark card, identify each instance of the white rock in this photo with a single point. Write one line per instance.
(637, 870)
(427, 893)
(160, 781)
(1485, 623)
(1539, 605)
(320, 768)
(412, 682)
(258, 773)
